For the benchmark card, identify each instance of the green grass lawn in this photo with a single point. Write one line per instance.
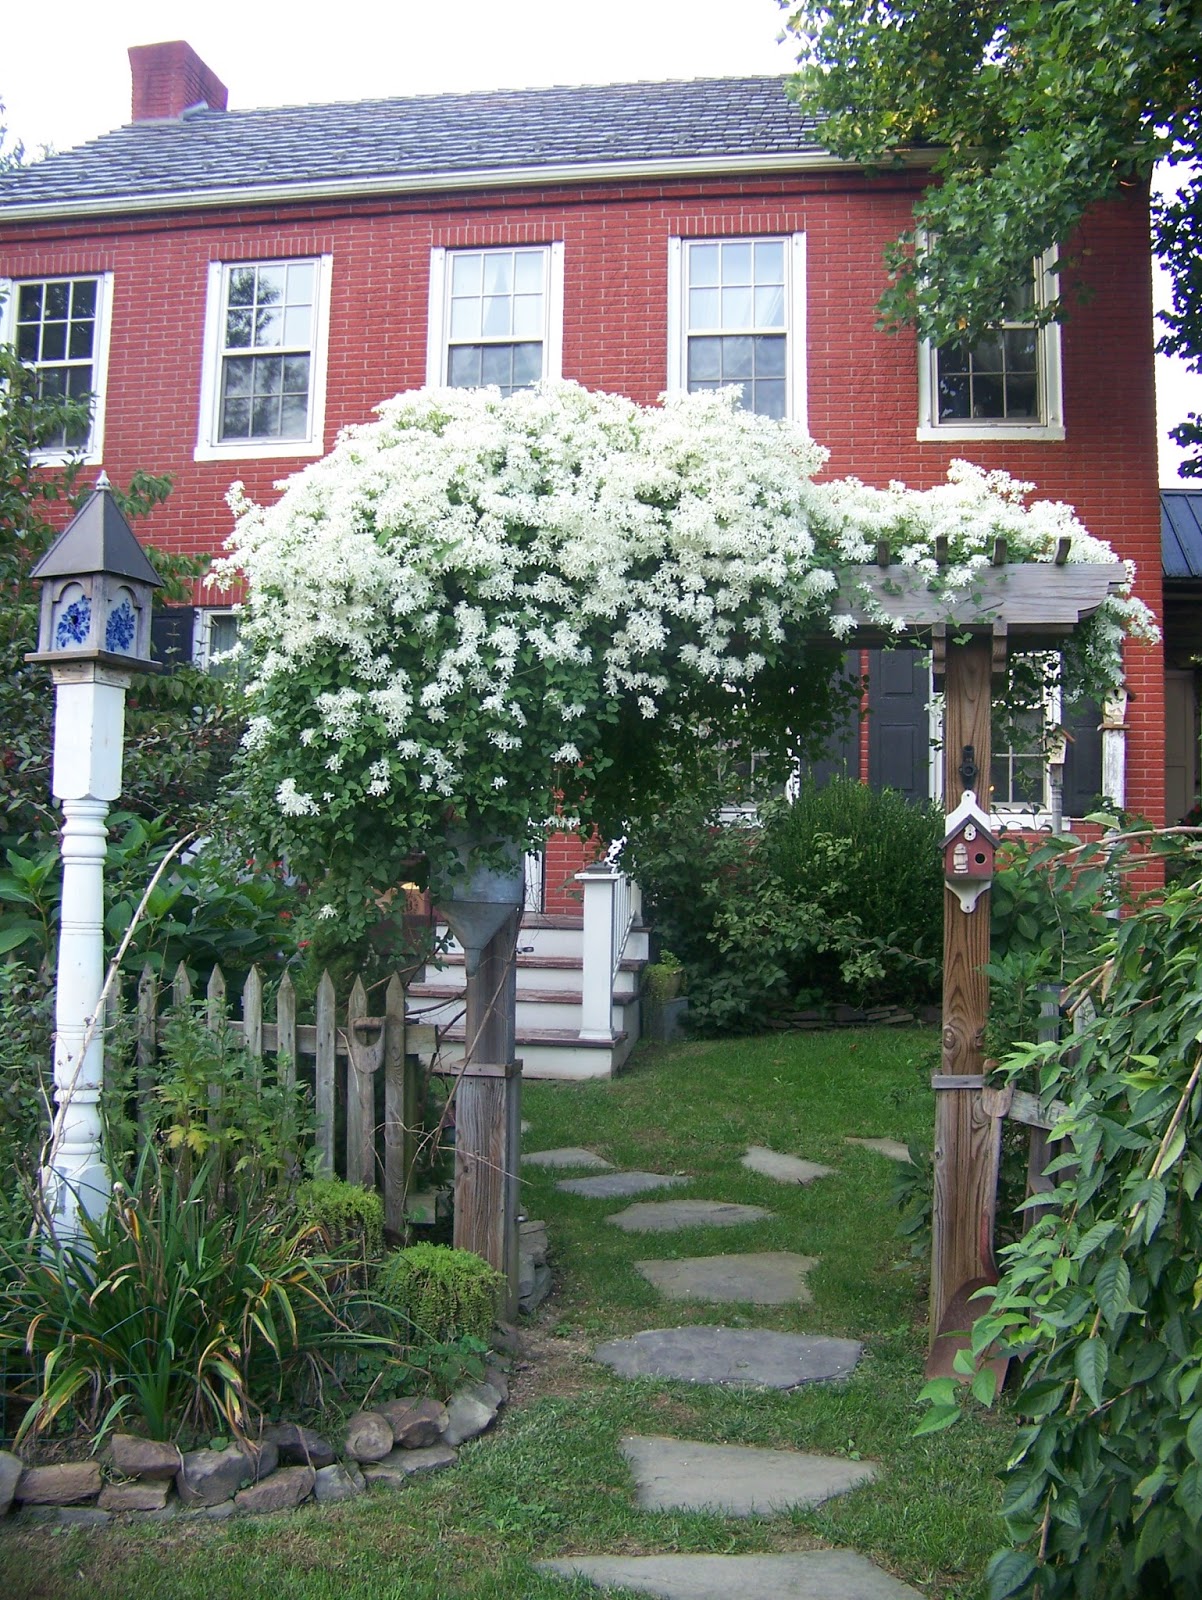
(550, 1481)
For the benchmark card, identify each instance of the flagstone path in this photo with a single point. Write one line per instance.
(733, 1480)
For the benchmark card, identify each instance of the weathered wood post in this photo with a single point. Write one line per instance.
(967, 1138)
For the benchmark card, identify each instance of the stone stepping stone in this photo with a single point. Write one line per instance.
(747, 1356)
(569, 1156)
(738, 1480)
(785, 1169)
(667, 1216)
(810, 1575)
(616, 1185)
(893, 1148)
(764, 1278)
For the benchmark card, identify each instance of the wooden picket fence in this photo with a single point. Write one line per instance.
(349, 1048)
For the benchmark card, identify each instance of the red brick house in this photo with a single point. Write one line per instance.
(236, 286)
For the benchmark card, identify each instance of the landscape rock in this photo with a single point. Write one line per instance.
(617, 1185)
(569, 1156)
(498, 1380)
(401, 1465)
(261, 1457)
(368, 1436)
(211, 1477)
(763, 1278)
(63, 1485)
(300, 1447)
(506, 1340)
(667, 1216)
(805, 1575)
(69, 1516)
(784, 1169)
(134, 1457)
(414, 1423)
(532, 1240)
(139, 1494)
(737, 1480)
(471, 1411)
(750, 1356)
(282, 1491)
(338, 1482)
(11, 1468)
(894, 1149)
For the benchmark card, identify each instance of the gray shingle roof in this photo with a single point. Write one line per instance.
(1181, 532)
(403, 143)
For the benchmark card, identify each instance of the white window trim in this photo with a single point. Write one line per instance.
(796, 398)
(1049, 426)
(208, 447)
(439, 311)
(93, 455)
(1012, 817)
(202, 633)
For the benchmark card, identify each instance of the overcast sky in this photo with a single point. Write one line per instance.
(67, 79)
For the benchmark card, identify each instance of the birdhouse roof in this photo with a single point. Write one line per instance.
(97, 539)
(967, 811)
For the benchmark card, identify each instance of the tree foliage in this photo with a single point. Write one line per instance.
(1036, 109)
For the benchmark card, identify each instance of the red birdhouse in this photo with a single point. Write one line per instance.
(968, 851)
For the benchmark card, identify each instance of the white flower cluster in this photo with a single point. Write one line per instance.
(447, 606)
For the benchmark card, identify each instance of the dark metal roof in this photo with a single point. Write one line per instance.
(411, 140)
(1181, 532)
(97, 539)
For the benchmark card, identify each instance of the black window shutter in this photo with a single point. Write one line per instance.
(1083, 759)
(171, 631)
(842, 757)
(899, 739)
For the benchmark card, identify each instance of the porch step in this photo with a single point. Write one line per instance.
(540, 1009)
(540, 974)
(558, 1053)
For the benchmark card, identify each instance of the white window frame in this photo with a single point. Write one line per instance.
(796, 401)
(1048, 425)
(92, 453)
(209, 445)
(439, 313)
(202, 633)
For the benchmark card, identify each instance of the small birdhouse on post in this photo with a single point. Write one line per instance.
(93, 634)
(969, 847)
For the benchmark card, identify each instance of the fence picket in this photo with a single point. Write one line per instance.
(360, 1093)
(400, 1108)
(252, 1021)
(285, 1022)
(147, 1039)
(181, 987)
(323, 1098)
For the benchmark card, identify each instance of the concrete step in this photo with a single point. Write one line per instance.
(557, 1009)
(538, 972)
(558, 1053)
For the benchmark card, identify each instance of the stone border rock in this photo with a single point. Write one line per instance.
(287, 1466)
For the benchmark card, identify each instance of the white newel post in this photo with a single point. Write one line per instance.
(597, 977)
(94, 634)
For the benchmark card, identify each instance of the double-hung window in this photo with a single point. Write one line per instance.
(736, 311)
(1005, 385)
(496, 317)
(59, 328)
(266, 334)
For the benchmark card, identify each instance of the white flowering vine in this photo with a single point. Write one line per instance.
(477, 611)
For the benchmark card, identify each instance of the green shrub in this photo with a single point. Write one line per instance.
(443, 1294)
(350, 1217)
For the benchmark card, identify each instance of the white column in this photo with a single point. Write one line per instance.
(597, 977)
(1114, 749)
(88, 737)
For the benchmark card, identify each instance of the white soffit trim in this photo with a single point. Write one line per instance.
(425, 183)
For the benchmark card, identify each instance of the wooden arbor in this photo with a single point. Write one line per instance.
(1035, 605)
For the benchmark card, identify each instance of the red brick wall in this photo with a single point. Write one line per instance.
(862, 385)
(168, 78)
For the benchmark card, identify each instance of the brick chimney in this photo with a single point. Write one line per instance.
(168, 78)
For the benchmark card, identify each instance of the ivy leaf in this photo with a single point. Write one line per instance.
(1090, 1365)
(1193, 1436)
(1189, 1493)
(1112, 1287)
(1008, 1572)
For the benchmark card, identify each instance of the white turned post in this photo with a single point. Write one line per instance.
(597, 978)
(1114, 749)
(88, 736)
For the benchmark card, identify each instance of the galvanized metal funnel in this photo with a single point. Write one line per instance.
(481, 902)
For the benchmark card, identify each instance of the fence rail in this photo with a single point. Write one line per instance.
(365, 1066)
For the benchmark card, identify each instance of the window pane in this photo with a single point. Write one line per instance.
(465, 319)
(770, 307)
(237, 330)
(1022, 398)
(1022, 299)
(496, 314)
(238, 376)
(703, 265)
(242, 286)
(770, 261)
(736, 308)
(296, 374)
(297, 322)
(953, 396)
(988, 396)
(265, 417)
(300, 283)
(1020, 346)
(737, 359)
(269, 375)
(528, 272)
(736, 263)
(986, 354)
(767, 397)
(463, 367)
(705, 361)
(769, 356)
(80, 348)
(79, 382)
(294, 416)
(58, 297)
(953, 358)
(28, 340)
(498, 274)
(527, 314)
(704, 308)
(269, 327)
(83, 298)
(235, 419)
(466, 272)
(527, 364)
(54, 341)
(270, 290)
(496, 365)
(29, 303)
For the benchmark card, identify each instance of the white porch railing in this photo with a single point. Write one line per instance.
(612, 904)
